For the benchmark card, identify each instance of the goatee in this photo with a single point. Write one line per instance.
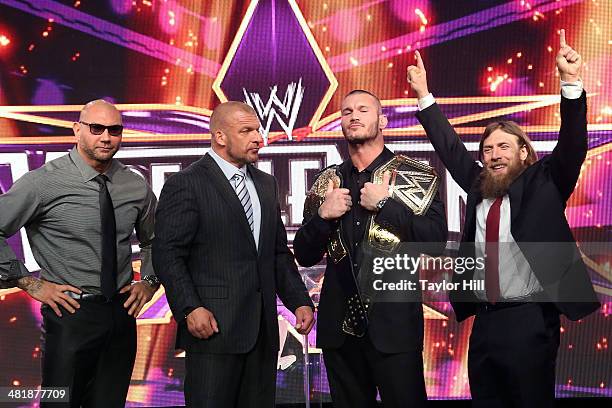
(494, 187)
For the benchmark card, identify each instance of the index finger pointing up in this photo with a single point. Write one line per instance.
(420, 64)
(562, 42)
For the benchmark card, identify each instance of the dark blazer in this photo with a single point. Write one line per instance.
(537, 201)
(207, 256)
(394, 327)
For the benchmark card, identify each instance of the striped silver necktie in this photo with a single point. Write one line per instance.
(244, 197)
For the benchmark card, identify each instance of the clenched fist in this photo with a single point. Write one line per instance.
(201, 323)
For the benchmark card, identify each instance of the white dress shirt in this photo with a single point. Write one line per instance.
(516, 279)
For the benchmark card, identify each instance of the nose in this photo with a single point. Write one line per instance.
(258, 138)
(105, 137)
(495, 153)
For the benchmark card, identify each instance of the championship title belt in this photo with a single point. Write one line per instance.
(355, 320)
(314, 199)
(413, 184)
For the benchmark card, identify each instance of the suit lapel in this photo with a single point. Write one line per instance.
(228, 194)
(267, 204)
(515, 193)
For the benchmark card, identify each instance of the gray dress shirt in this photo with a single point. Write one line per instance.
(59, 206)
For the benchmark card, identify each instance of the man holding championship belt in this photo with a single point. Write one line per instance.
(370, 204)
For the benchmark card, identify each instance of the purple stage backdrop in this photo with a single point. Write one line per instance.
(168, 63)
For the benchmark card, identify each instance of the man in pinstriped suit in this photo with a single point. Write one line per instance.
(222, 251)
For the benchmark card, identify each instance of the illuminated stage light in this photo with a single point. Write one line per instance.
(169, 17)
(4, 40)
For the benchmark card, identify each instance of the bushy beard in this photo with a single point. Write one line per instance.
(497, 186)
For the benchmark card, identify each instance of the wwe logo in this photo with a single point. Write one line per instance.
(284, 111)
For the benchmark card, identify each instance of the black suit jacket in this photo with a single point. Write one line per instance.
(206, 255)
(394, 327)
(537, 201)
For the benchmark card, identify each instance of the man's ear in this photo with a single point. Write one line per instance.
(220, 138)
(523, 153)
(76, 129)
(382, 121)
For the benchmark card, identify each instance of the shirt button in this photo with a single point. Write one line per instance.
(355, 266)
(358, 223)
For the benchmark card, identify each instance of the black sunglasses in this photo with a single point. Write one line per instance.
(97, 129)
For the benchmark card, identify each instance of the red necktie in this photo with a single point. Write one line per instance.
(492, 252)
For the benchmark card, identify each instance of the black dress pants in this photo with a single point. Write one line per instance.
(512, 356)
(243, 380)
(356, 370)
(91, 352)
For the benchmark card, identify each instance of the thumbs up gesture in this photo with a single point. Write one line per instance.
(372, 193)
(337, 202)
(569, 62)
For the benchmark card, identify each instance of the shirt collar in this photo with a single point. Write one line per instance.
(383, 157)
(88, 172)
(228, 169)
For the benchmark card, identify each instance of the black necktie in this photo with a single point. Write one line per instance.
(108, 278)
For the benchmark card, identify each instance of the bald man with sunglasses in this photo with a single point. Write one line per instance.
(79, 212)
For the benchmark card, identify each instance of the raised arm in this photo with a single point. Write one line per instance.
(462, 167)
(570, 152)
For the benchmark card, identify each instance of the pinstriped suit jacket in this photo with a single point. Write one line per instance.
(206, 255)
